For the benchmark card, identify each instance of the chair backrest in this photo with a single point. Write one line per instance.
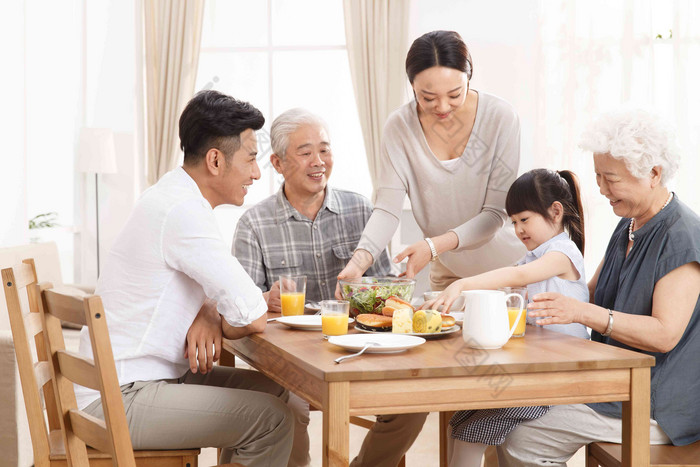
(79, 428)
(23, 303)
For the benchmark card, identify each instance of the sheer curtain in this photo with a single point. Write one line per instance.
(597, 55)
(375, 32)
(172, 30)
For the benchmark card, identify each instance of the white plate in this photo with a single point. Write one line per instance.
(385, 342)
(427, 335)
(313, 306)
(304, 322)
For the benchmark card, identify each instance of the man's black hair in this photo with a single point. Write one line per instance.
(214, 120)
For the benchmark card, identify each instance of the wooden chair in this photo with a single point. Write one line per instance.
(661, 455)
(59, 444)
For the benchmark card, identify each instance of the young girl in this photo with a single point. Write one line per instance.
(545, 207)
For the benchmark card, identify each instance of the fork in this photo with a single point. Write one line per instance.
(367, 346)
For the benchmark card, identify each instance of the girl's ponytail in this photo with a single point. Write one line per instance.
(573, 219)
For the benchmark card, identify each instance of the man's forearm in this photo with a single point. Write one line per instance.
(232, 332)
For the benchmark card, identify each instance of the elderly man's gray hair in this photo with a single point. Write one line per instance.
(637, 137)
(287, 123)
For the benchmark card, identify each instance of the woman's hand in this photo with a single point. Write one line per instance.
(203, 344)
(418, 255)
(359, 263)
(446, 298)
(555, 308)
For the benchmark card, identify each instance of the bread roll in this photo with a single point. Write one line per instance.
(447, 321)
(388, 310)
(396, 303)
(373, 322)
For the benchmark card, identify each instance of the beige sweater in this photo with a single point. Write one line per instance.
(468, 198)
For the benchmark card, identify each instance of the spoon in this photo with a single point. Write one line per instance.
(367, 346)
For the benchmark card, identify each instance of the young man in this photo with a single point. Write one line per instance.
(166, 280)
(310, 228)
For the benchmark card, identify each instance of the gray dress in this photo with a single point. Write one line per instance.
(626, 284)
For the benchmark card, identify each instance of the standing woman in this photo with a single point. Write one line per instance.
(455, 151)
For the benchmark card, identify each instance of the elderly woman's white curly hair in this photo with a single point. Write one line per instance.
(637, 137)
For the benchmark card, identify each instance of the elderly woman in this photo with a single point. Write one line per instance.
(645, 296)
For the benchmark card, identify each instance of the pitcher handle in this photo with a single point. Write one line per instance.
(520, 315)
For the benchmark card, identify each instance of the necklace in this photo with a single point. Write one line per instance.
(630, 234)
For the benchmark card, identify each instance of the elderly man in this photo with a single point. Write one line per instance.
(169, 279)
(310, 228)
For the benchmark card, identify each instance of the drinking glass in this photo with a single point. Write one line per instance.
(514, 309)
(292, 294)
(334, 317)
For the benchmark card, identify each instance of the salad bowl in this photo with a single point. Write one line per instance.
(368, 294)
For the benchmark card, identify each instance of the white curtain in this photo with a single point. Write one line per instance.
(597, 55)
(375, 32)
(173, 30)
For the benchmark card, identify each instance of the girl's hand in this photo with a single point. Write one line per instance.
(446, 298)
(418, 255)
(557, 308)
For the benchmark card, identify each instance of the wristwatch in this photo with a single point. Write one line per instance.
(433, 251)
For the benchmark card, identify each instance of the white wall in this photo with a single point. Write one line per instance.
(13, 183)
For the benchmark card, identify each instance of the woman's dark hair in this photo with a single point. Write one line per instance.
(214, 120)
(438, 48)
(537, 189)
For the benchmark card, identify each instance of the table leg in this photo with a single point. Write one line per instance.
(635, 420)
(336, 424)
(227, 358)
(445, 418)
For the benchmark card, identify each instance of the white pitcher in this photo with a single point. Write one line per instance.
(486, 318)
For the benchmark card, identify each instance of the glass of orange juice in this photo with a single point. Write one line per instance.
(514, 311)
(334, 317)
(292, 294)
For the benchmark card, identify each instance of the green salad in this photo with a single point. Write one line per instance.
(369, 297)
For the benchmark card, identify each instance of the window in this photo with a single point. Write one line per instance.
(278, 55)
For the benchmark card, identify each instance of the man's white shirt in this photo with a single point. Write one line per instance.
(167, 260)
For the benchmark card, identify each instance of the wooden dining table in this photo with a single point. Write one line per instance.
(445, 374)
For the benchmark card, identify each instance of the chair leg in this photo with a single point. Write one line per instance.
(590, 460)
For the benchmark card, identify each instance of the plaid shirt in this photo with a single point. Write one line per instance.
(273, 238)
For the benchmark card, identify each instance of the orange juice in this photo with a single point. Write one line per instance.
(334, 325)
(292, 303)
(512, 316)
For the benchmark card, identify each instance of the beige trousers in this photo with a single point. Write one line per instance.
(240, 411)
(389, 439)
(552, 439)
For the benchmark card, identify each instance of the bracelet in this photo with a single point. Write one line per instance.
(608, 330)
(433, 251)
